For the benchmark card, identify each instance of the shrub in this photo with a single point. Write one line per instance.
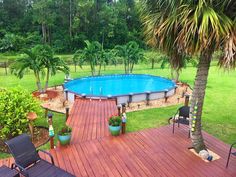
(115, 121)
(15, 104)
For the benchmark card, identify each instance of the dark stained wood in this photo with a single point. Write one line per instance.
(152, 152)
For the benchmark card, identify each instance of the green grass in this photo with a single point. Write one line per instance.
(219, 113)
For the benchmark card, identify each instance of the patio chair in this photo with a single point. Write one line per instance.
(181, 117)
(230, 153)
(28, 162)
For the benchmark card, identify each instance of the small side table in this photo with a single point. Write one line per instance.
(8, 172)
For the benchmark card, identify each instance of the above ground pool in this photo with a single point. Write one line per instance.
(119, 85)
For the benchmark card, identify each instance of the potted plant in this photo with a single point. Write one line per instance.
(115, 125)
(64, 135)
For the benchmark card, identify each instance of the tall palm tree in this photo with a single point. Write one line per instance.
(131, 54)
(89, 54)
(38, 59)
(193, 27)
(175, 70)
(29, 61)
(50, 63)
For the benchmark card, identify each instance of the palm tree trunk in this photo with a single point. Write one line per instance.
(153, 61)
(177, 76)
(38, 83)
(198, 99)
(75, 68)
(47, 79)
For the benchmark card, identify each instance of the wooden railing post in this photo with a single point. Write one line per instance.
(186, 102)
(67, 112)
(51, 131)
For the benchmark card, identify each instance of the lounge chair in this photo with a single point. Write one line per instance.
(28, 162)
(181, 117)
(230, 153)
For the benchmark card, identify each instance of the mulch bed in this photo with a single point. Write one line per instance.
(49, 94)
(41, 136)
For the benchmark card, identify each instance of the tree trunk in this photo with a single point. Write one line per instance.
(44, 33)
(198, 99)
(70, 27)
(38, 83)
(75, 68)
(172, 73)
(177, 76)
(153, 61)
(47, 79)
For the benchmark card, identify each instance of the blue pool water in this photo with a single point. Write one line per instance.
(116, 85)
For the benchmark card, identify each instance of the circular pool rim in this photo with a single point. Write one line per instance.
(120, 95)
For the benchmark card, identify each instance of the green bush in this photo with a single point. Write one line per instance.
(15, 104)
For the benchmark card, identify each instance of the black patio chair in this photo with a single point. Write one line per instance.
(181, 117)
(28, 162)
(230, 153)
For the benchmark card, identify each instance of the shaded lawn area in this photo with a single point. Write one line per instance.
(219, 113)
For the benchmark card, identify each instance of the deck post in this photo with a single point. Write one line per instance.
(148, 97)
(46, 112)
(67, 112)
(66, 91)
(186, 102)
(123, 127)
(165, 96)
(51, 131)
(130, 99)
(123, 107)
(119, 109)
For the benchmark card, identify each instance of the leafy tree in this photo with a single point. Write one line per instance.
(89, 54)
(29, 61)
(49, 62)
(38, 59)
(131, 54)
(193, 27)
(14, 106)
(175, 71)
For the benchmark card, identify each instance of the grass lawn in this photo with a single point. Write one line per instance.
(219, 113)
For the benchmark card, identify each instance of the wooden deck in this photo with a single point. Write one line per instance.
(151, 152)
(88, 118)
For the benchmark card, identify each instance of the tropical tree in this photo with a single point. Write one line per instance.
(29, 61)
(193, 27)
(175, 71)
(50, 63)
(38, 59)
(89, 54)
(131, 54)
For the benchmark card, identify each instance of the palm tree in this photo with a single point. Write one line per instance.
(89, 54)
(131, 54)
(29, 61)
(50, 63)
(193, 27)
(38, 59)
(175, 70)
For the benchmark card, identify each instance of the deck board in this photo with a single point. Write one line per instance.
(151, 152)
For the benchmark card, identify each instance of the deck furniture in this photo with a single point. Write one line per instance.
(230, 153)
(181, 117)
(28, 162)
(7, 172)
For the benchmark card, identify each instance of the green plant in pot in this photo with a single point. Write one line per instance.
(115, 125)
(64, 135)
